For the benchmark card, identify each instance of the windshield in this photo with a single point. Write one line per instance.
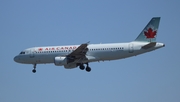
(22, 52)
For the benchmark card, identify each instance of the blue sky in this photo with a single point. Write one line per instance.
(151, 77)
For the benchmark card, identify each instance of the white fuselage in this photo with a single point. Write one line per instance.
(96, 52)
(73, 56)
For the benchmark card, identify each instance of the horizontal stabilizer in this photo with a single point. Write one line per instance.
(150, 45)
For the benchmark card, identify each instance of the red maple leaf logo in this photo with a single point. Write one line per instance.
(150, 33)
(40, 49)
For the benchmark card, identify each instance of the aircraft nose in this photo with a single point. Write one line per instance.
(16, 59)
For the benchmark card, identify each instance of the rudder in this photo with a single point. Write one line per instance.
(149, 33)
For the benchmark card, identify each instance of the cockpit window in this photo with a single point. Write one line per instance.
(22, 52)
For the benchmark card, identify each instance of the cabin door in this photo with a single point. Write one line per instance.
(32, 53)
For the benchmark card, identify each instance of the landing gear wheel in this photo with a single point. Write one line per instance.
(82, 67)
(34, 70)
(88, 69)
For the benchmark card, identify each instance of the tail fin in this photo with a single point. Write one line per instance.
(149, 33)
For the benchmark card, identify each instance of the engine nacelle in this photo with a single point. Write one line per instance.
(60, 61)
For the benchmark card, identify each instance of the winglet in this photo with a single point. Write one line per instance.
(88, 42)
(149, 33)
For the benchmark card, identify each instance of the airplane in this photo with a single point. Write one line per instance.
(73, 56)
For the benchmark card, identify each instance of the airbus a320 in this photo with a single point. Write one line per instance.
(73, 56)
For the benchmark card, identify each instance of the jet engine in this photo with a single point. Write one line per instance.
(60, 61)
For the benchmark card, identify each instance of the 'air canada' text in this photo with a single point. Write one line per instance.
(57, 48)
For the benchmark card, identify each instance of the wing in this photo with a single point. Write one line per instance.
(78, 54)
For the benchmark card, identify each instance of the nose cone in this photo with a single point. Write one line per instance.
(16, 59)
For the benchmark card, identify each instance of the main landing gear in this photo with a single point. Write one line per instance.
(82, 67)
(34, 70)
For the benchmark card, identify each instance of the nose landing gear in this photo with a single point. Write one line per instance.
(34, 70)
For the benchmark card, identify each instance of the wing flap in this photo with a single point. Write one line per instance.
(80, 51)
(79, 54)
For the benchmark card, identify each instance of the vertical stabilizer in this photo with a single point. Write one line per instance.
(149, 33)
